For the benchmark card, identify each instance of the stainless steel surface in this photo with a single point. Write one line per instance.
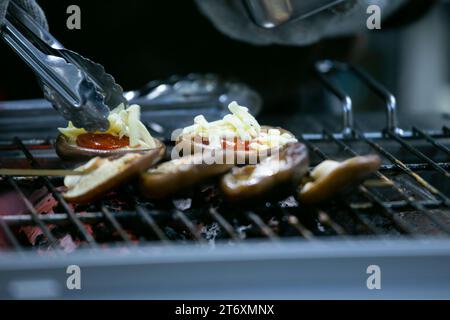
(79, 89)
(325, 67)
(272, 13)
(331, 269)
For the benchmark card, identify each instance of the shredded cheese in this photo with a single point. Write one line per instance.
(238, 124)
(122, 122)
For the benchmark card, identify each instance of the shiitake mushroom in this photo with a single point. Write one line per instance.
(331, 177)
(189, 144)
(71, 152)
(179, 174)
(105, 174)
(281, 171)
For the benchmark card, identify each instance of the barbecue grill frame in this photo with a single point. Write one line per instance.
(193, 260)
(330, 269)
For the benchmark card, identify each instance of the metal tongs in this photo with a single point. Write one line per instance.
(78, 88)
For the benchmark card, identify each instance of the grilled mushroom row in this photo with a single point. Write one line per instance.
(281, 171)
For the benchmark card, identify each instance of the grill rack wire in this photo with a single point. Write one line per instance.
(150, 218)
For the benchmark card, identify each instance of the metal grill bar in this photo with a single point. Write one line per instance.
(406, 170)
(190, 226)
(34, 214)
(409, 199)
(264, 228)
(57, 194)
(224, 224)
(62, 219)
(420, 180)
(327, 66)
(9, 235)
(419, 154)
(324, 67)
(147, 218)
(436, 144)
(116, 225)
(387, 212)
(326, 220)
(301, 229)
(413, 166)
(404, 204)
(370, 227)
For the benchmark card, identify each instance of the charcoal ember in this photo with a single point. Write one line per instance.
(34, 234)
(65, 242)
(12, 204)
(43, 206)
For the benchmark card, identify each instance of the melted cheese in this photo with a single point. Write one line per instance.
(239, 124)
(122, 122)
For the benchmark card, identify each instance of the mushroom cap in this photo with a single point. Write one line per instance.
(337, 177)
(271, 174)
(178, 174)
(100, 184)
(71, 152)
(240, 157)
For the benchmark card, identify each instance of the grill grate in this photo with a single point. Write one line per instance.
(410, 196)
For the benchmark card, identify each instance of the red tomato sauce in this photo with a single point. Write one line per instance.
(101, 141)
(236, 144)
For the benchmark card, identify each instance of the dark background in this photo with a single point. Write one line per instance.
(138, 41)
